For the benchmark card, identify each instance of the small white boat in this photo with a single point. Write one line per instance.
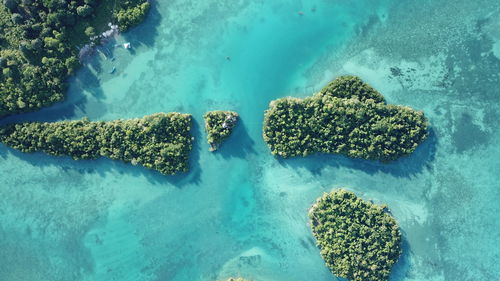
(127, 45)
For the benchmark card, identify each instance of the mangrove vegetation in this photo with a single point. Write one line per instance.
(219, 126)
(348, 117)
(358, 240)
(39, 40)
(160, 141)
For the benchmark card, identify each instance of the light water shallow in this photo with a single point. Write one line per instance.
(241, 211)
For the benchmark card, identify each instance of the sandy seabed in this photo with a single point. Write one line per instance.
(241, 211)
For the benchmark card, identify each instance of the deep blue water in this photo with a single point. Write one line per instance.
(240, 211)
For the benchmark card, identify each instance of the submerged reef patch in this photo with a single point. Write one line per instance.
(347, 117)
(160, 141)
(358, 240)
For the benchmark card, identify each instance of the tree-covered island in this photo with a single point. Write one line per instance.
(347, 117)
(219, 126)
(160, 141)
(358, 240)
(39, 42)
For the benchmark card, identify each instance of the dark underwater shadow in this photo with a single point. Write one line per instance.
(3, 152)
(407, 166)
(63, 110)
(179, 180)
(42, 160)
(193, 176)
(71, 104)
(84, 78)
(91, 62)
(74, 101)
(147, 32)
(402, 266)
(239, 144)
(102, 166)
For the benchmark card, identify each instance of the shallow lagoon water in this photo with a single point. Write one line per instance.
(241, 211)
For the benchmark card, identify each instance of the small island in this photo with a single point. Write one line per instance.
(358, 240)
(160, 141)
(346, 117)
(41, 41)
(219, 126)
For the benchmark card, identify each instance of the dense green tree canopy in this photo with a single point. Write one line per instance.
(347, 117)
(358, 240)
(219, 126)
(38, 45)
(132, 14)
(160, 141)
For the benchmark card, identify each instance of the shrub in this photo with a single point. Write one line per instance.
(48, 27)
(160, 141)
(128, 17)
(17, 18)
(358, 240)
(347, 117)
(84, 11)
(219, 126)
(90, 31)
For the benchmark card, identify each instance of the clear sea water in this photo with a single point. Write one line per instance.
(240, 211)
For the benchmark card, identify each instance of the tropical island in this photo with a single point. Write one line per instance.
(219, 126)
(358, 240)
(347, 117)
(39, 43)
(160, 141)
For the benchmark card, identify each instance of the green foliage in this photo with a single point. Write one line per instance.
(38, 44)
(348, 87)
(358, 240)
(219, 126)
(90, 31)
(84, 11)
(130, 15)
(347, 117)
(17, 18)
(160, 141)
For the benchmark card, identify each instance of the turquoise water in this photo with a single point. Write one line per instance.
(241, 211)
